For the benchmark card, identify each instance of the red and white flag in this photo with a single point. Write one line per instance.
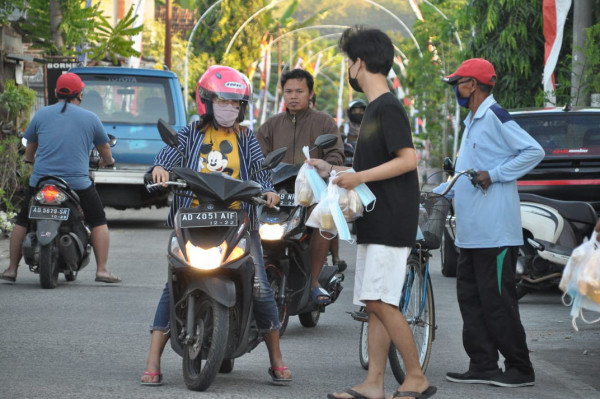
(555, 14)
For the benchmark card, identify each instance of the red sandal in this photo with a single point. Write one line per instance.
(153, 374)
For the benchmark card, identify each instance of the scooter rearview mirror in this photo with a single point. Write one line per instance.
(167, 133)
(273, 158)
(448, 166)
(112, 140)
(325, 141)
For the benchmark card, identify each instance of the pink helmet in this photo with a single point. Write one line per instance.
(223, 82)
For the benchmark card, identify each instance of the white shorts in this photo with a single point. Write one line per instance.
(380, 273)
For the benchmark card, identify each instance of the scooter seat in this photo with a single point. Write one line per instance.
(575, 211)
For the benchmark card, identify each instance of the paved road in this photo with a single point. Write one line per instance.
(89, 340)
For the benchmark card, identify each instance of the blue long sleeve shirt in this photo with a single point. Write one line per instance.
(492, 141)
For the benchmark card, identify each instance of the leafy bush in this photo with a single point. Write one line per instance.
(16, 104)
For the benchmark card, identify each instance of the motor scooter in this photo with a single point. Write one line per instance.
(286, 249)
(210, 270)
(58, 240)
(551, 230)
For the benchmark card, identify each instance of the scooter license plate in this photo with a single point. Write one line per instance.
(208, 219)
(286, 199)
(47, 212)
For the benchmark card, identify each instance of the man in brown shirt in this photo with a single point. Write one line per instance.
(299, 126)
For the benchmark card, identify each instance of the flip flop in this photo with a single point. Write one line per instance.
(353, 395)
(153, 374)
(317, 292)
(279, 380)
(111, 278)
(428, 393)
(12, 279)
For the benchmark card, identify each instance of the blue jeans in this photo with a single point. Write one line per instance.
(264, 309)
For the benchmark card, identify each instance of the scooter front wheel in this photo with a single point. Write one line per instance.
(49, 265)
(310, 319)
(203, 355)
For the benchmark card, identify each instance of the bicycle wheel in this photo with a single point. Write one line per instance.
(417, 306)
(363, 349)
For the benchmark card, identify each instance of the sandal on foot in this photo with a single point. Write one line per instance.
(317, 295)
(428, 393)
(111, 278)
(353, 395)
(279, 380)
(12, 279)
(153, 374)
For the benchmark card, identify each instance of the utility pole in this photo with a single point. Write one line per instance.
(168, 36)
(582, 19)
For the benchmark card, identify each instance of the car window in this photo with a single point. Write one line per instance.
(128, 99)
(564, 134)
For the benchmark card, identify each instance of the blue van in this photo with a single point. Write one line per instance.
(129, 102)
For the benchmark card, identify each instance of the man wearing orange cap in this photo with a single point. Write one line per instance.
(488, 231)
(59, 140)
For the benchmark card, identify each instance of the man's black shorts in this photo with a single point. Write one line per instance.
(93, 210)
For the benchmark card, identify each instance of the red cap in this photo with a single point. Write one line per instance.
(69, 84)
(477, 68)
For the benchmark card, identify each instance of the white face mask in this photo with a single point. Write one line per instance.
(225, 114)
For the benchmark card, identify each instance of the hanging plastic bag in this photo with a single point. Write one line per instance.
(350, 204)
(581, 280)
(309, 185)
(364, 193)
(328, 212)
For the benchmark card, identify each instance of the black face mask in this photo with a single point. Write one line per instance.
(356, 118)
(354, 82)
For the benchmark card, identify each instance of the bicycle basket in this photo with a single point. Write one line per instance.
(432, 218)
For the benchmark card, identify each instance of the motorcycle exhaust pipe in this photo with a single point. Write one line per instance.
(68, 250)
(538, 280)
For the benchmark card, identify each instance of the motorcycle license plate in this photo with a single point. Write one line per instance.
(47, 212)
(208, 219)
(286, 199)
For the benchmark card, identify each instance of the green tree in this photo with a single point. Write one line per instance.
(69, 28)
(510, 34)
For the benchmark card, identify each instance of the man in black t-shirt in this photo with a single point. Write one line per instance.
(385, 159)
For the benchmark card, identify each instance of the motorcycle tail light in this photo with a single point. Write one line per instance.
(49, 194)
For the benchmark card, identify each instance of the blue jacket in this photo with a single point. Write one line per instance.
(190, 142)
(492, 142)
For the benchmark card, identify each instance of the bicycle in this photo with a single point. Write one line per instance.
(417, 301)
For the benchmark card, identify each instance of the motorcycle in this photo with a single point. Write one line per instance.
(211, 272)
(286, 249)
(551, 230)
(58, 240)
(348, 151)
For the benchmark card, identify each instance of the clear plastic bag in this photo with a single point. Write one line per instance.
(327, 215)
(350, 204)
(581, 280)
(309, 186)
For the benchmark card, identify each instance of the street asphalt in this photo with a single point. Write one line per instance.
(90, 340)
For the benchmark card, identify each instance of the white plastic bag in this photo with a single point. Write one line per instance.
(581, 280)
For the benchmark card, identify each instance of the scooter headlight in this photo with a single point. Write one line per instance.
(205, 259)
(271, 232)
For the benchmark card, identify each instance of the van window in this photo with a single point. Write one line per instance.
(564, 134)
(128, 99)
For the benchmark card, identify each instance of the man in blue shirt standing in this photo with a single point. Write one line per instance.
(59, 140)
(488, 231)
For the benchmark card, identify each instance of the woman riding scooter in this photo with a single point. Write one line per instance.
(217, 143)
